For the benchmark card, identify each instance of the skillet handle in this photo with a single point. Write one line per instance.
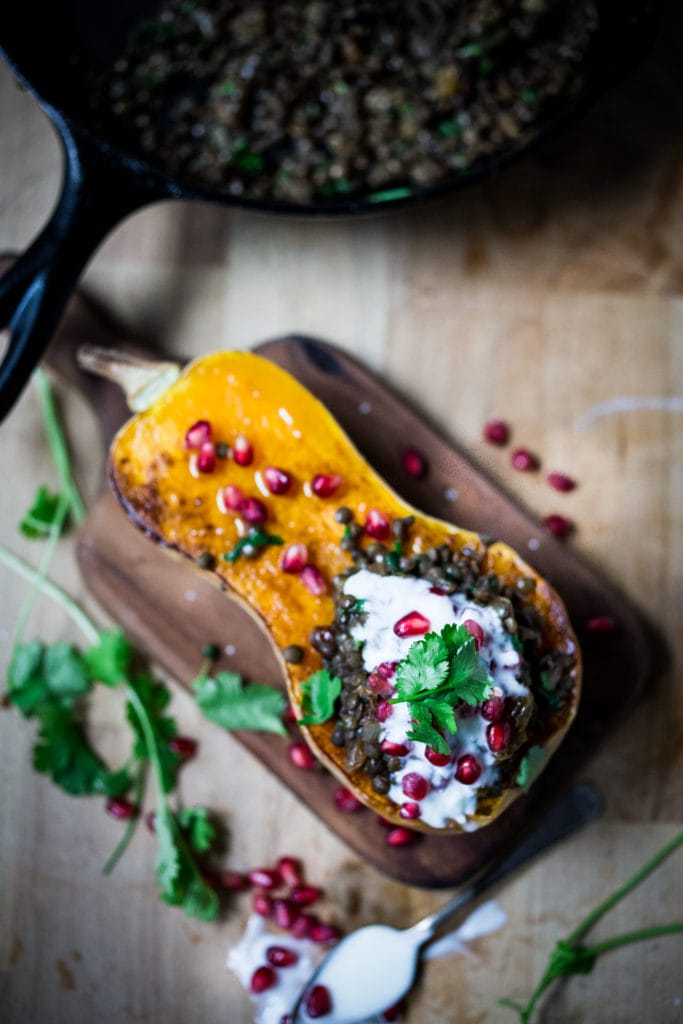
(98, 189)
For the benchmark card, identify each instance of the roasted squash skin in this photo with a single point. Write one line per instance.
(239, 393)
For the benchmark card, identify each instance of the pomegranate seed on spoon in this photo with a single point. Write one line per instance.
(318, 1002)
(281, 956)
(412, 624)
(262, 979)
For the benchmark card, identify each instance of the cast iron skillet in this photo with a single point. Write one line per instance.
(102, 183)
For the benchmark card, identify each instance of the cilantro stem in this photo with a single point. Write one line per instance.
(638, 936)
(46, 557)
(46, 586)
(58, 445)
(123, 843)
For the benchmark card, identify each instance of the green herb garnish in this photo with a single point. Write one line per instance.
(439, 671)
(43, 515)
(232, 704)
(319, 693)
(530, 767)
(388, 195)
(254, 539)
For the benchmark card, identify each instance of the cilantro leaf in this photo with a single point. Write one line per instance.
(253, 540)
(229, 702)
(424, 667)
(181, 884)
(530, 767)
(320, 691)
(108, 660)
(424, 732)
(65, 671)
(443, 714)
(27, 686)
(154, 697)
(199, 827)
(63, 752)
(43, 514)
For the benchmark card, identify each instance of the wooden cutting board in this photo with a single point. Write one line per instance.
(170, 612)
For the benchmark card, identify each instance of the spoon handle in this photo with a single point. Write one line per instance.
(578, 807)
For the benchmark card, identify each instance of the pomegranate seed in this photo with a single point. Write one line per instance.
(394, 749)
(206, 459)
(314, 581)
(235, 881)
(414, 463)
(439, 591)
(277, 481)
(415, 785)
(301, 756)
(242, 451)
(434, 757)
(380, 685)
(475, 630)
(395, 1012)
(559, 526)
(412, 624)
(290, 870)
(498, 736)
(231, 497)
(306, 895)
(561, 482)
(288, 716)
(265, 878)
(384, 822)
(262, 904)
(401, 837)
(318, 1002)
(524, 460)
(324, 485)
(409, 810)
(345, 801)
(198, 434)
(284, 913)
(185, 746)
(120, 808)
(253, 510)
(496, 432)
(294, 558)
(467, 769)
(151, 821)
(262, 979)
(600, 624)
(377, 524)
(323, 933)
(303, 924)
(493, 708)
(280, 956)
(384, 711)
(387, 669)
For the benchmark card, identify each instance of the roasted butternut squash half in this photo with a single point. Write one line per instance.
(434, 673)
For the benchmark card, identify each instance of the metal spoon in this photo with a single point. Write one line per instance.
(373, 967)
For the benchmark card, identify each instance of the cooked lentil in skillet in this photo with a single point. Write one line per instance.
(325, 99)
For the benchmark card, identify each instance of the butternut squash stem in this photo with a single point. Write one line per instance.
(142, 380)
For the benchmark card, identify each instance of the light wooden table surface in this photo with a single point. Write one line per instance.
(535, 298)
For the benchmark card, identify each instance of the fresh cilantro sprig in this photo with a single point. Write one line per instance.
(319, 693)
(439, 671)
(571, 956)
(229, 702)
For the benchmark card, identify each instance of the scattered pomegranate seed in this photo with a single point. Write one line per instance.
(493, 708)
(264, 878)
(262, 904)
(262, 979)
(306, 895)
(120, 808)
(288, 716)
(498, 736)
(559, 526)
(415, 785)
(439, 591)
(301, 756)
(253, 510)
(235, 881)
(281, 956)
(524, 460)
(313, 580)
(198, 434)
(277, 480)
(318, 1002)
(412, 624)
(345, 801)
(600, 624)
(324, 485)
(475, 630)
(185, 746)
(323, 933)
(401, 837)
(377, 524)
(409, 810)
(231, 497)
(380, 685)
(294, 558)
(561, 482)
(394, 749)
(303, 924)
(467, 769)
(206, 458)
(414, 463)
(496, 432)
(387, 669)
(284, 913)
(291, 870)
(384, 711)
(242, 451)
(436, 758)
(395, 1012)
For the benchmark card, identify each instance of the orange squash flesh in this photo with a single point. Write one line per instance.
(240, 393)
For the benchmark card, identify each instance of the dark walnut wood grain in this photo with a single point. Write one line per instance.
(170, 611)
